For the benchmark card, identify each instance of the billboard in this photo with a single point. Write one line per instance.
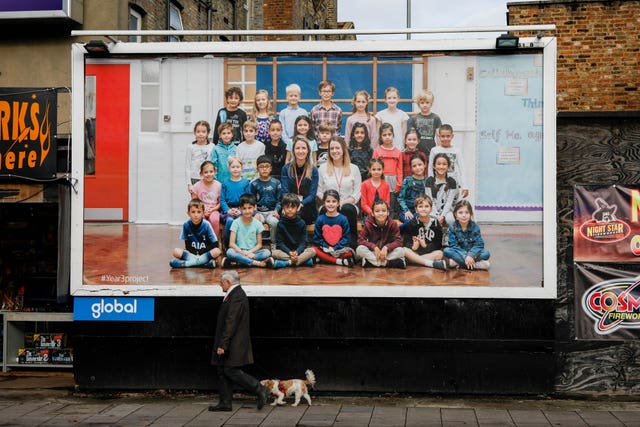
(500, 104)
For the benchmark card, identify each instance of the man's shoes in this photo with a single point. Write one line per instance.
(225, 262)
(210, 264)
(440, 264)
(269, 262)
(349, 262)
(220, 408)
(263, 395)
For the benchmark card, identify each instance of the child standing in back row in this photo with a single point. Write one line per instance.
(394, 116)
(197, 152)
(326, 110)
(231, 113)
(289, 114)
(425, 122)
(262, 115)
(361, 114)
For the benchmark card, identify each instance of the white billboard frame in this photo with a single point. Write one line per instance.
(120, 50)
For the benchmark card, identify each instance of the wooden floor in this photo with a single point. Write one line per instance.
(140, 254)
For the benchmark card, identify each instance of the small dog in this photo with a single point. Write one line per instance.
(297, 387)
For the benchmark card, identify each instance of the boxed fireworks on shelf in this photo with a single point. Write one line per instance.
(51, 340)
(32, 356)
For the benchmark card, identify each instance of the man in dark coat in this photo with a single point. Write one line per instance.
(232, 346)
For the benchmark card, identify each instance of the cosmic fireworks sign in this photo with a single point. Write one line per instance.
(28, 130)
(607, 262)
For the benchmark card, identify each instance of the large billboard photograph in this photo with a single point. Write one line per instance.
(317, 169)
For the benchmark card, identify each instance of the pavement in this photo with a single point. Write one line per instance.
(51, 399)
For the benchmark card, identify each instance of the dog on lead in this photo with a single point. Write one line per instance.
(296, 387)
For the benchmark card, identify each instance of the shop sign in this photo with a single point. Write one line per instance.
(113, 309)
(28, 128)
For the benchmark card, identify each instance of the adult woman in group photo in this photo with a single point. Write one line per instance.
(339, 174)
(300, 177)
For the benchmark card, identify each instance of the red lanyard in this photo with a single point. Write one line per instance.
(295, 171)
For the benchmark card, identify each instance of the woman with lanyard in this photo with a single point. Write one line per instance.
(300, 177)
(339, 174)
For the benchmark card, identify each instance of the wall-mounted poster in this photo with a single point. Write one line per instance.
(28, 129)
(606, 224)
(607, 301)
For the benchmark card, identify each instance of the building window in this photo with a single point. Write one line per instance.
(150, 96)
(175, 21)
(135, 24)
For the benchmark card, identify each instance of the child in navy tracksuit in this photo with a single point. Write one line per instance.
(200, 242)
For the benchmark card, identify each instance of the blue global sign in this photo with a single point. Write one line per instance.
(113, 309)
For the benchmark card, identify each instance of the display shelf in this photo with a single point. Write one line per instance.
(14, 326)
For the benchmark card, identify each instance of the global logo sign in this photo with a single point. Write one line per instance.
(114, 309)
(613, 304)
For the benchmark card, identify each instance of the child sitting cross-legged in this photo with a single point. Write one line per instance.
(201, 243)
(331, 234)
(379, 242)
(245, 242)
(423, 236)
(291, 236)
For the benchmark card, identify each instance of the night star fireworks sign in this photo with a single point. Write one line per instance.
(28, 133)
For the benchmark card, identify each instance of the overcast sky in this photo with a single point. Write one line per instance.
(387, 14)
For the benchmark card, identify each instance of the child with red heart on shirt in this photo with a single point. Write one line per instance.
(331, 234)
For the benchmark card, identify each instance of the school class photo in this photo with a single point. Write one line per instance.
(320, 171)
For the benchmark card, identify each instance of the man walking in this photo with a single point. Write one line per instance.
(232, 346)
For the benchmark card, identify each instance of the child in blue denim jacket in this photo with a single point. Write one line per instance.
(466, 246)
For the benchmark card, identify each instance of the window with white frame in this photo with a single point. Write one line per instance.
(135, 24)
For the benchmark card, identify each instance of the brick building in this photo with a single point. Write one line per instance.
(598, 134)
(598, 49)
(294, 14)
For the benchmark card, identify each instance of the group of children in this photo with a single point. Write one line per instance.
(272, 177)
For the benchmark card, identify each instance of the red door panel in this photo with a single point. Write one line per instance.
(107, 189)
